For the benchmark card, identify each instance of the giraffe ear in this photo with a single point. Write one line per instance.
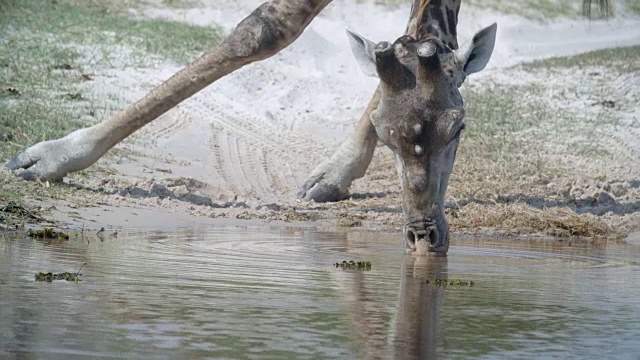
(362, 49)
(475, 54)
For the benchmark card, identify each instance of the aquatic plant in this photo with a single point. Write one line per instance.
(452, 282)
(47, 233)
(49, 277)
(360, 265)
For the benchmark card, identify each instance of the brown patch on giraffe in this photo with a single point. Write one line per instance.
(434, 19)
(422, 10)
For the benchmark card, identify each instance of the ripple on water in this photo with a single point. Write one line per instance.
(580, 254)
(272, 292)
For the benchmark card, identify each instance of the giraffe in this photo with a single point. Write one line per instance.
(419, 113)
(420, 74)
(330, 180)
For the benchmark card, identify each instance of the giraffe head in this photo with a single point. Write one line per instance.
(420, 117)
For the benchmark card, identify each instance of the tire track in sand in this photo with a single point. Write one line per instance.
(168, 124)
(252, 156)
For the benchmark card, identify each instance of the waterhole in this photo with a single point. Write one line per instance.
(261, 292)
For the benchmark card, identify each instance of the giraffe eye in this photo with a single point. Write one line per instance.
(457, 132)
(456, 124)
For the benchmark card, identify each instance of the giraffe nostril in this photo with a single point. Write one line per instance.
(434, 236)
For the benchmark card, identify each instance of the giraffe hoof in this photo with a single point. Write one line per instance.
(319, 191)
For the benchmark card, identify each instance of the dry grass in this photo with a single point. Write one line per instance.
(518, 219)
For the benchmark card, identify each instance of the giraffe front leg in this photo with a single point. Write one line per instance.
(54, 159)
(268, 29)
(330, 180)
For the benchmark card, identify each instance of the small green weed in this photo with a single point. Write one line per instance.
(614, 59)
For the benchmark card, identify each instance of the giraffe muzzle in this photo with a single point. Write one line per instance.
(424, 237)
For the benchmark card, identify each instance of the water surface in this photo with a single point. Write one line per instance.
(261, 292)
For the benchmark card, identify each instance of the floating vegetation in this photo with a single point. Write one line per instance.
(47, 233)
(49, 277)
(360, 265)
(447, 282)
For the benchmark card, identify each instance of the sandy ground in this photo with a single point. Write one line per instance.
(241, 148)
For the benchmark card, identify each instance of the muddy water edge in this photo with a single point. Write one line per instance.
(256, 292)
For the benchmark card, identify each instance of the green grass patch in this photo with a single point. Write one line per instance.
(633, 6)
(38, 97)
(532, 9)
(43, 51)
(180, 4)
(47, 51)
(538, 10)
(88, 23)
(28, 123)
(622, 59)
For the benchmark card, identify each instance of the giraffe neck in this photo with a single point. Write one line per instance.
(435, 18)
